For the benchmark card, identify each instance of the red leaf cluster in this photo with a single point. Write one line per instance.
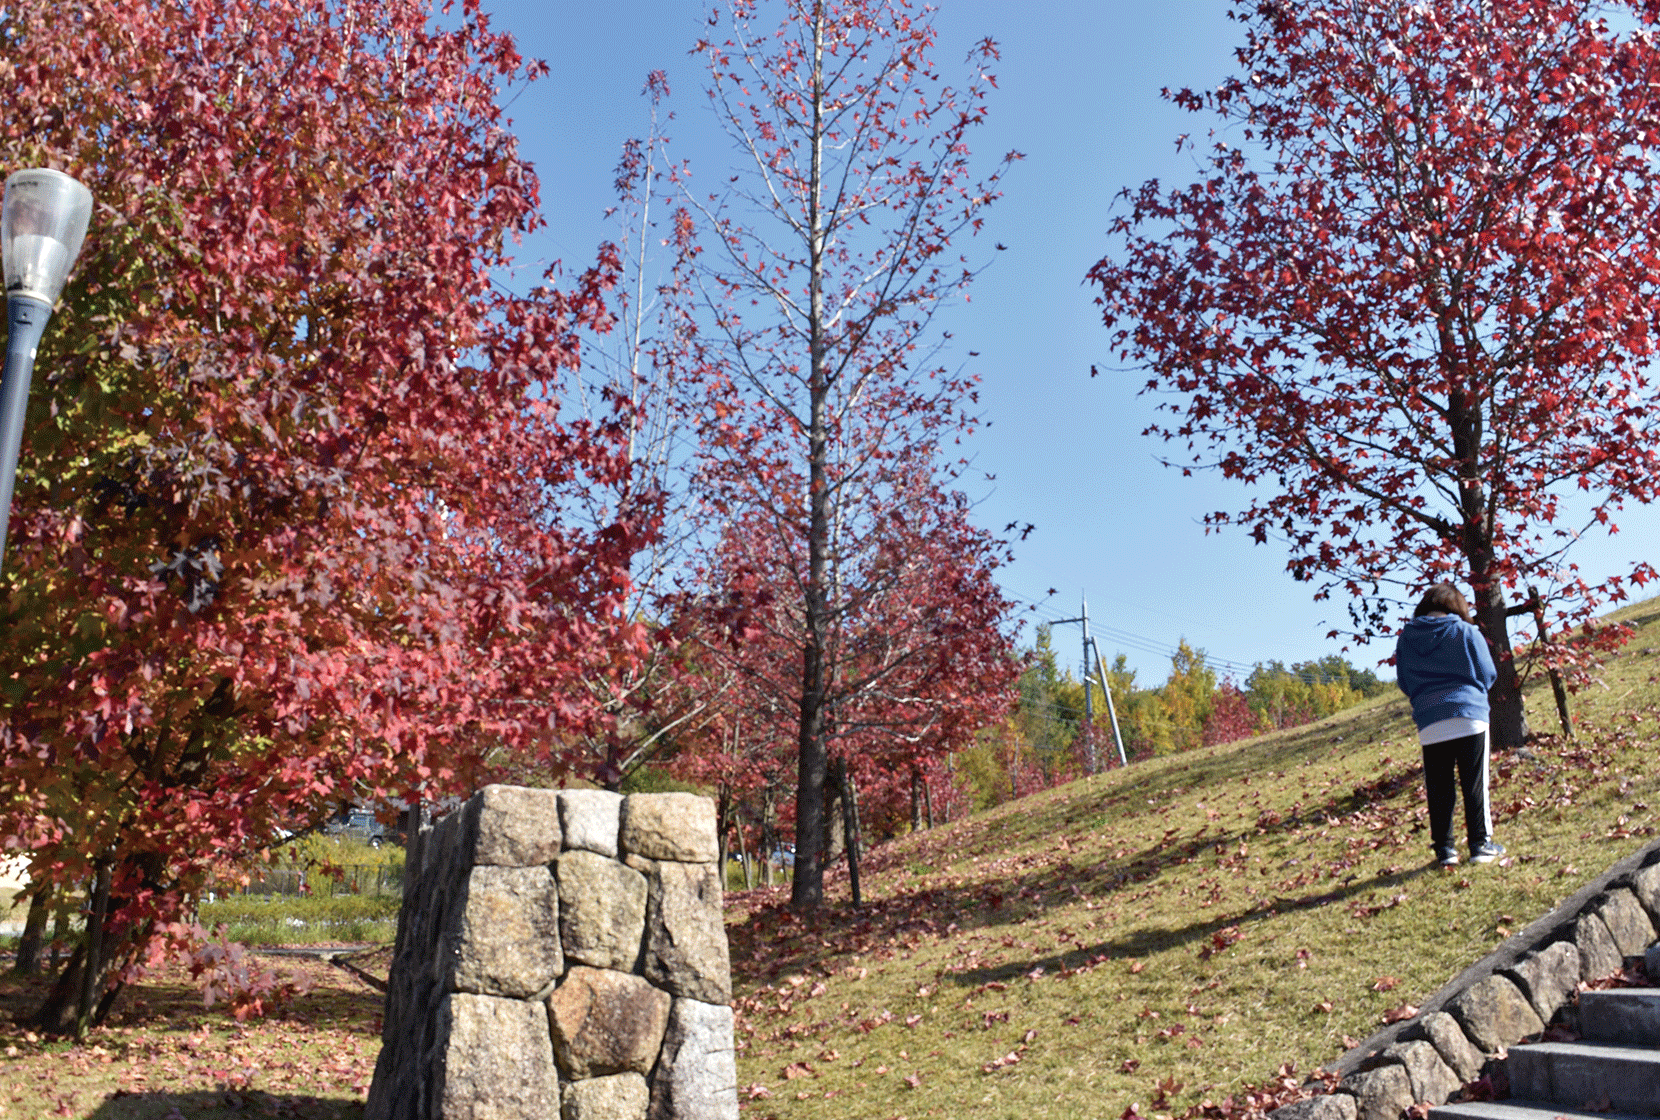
(1413, 299)
(300, 521)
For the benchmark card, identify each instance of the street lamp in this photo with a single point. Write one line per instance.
(42, 226)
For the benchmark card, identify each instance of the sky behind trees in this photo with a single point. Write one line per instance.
(1079, 95)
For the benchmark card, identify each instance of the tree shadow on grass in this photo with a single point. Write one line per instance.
(774, 940)
(223, 1103)
(1145, 942)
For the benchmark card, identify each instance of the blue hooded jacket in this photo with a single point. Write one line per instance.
(1442, 664)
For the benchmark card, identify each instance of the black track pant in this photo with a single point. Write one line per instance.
(1469, 757)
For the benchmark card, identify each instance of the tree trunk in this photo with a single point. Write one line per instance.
(1507, 721)
(743, 855)
(835, 814)
(928, 801)
(916, 801)
(850, 827)
(92, 974)
(769, 844)
(807, 889)
(1557, 690)
(61, 1014)
(55, 945)
(57, 1013)
(34, 932)
(723, 821)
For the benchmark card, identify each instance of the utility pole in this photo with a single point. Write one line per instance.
(1112, 710)
(1089, 703)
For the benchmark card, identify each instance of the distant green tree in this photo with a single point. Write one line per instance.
(1307, 690)
(1035, 747)
(1187, 696)
(1051, 704)
(1141, 716)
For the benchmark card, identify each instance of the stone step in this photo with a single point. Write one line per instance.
(1520, 1110)
(1627, 1015)
(1583, 1074)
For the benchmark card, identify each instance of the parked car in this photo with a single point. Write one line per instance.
(359, 824)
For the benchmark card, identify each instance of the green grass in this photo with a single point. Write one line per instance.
(304, 920)
(1177, 931)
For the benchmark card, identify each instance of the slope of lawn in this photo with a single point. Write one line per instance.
(1179, 932)
(1141, 942)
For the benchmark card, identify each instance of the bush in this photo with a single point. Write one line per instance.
(317, 850)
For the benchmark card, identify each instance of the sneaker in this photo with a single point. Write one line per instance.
(1486, 852)
(1446, 855)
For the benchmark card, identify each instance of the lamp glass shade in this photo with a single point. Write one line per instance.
(41, 229)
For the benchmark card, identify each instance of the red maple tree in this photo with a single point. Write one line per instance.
(920, 651)
(1412, 297)
(828, 255)
(297, 521)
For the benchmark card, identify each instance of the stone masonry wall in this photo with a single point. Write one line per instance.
(1508, 996)
(561, 953)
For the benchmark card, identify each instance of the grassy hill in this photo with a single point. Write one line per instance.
(1180, 931)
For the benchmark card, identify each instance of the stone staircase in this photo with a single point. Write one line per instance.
(1611, 1072)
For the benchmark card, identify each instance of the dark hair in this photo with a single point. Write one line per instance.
(1444, 597)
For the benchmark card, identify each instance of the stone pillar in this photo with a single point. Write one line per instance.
(561, 953)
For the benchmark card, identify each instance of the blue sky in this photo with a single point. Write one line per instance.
(1078, 93)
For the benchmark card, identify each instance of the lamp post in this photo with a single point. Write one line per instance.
(42, 225)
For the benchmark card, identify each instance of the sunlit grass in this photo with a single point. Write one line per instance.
(1179, 930)
(289, 920)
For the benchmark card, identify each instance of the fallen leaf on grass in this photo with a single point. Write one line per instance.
(797, 1069)
(1006, 1060)
(1222, 939)
(1384, 983)
(1399, 1014)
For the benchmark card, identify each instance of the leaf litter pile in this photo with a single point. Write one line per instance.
(1191, 937)
(162, 1055)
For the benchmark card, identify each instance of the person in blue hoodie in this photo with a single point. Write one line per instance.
(1442, 664)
